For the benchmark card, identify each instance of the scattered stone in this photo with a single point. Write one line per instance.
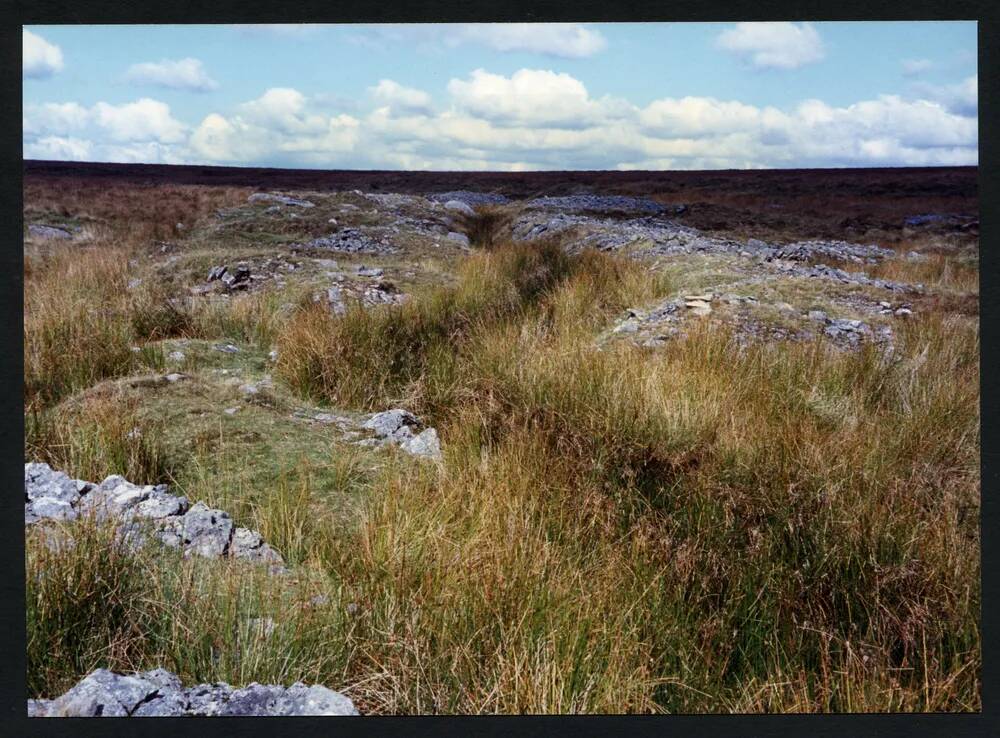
(176, 356)
(470, 198)
(364, 271)
(216, 272)
(231, 410)
(698, 307)
(227, 348)
(903, 312)
(174, 377)
(279, 199)
(159, 693)
(600, 203)
(350, 240)
(818, 315)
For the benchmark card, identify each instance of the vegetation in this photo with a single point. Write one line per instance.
(701, 528)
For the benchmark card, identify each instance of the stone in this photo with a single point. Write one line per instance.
(207, 532)
(231, 410)
(50, 508)
(627, 326)
(216, 272)
(46, 232)
(159, 693)
(174, 377)
(176, 356)
(396, 424)
(903, 312)
(226, 348)
(425, 444)
(41, 481)
(458, 206)
(161, 504)
(279, 199)
(364, 271)
(818, 315)
(698, 307)
(460, 238)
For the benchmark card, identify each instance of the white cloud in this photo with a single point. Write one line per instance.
(40, 58)
(142, 120)
(180, 74)
(280, 126)
(567, 40)
(914, 67)
(531, 97)
(774, 45)
(961, 98)
(396, 96)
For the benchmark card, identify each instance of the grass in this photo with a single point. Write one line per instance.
(702, 528)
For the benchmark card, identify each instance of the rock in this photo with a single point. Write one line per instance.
(396, 424)
(627, 326)
(273, 355)
(460, 238)
(206, 532)
(425, 443)
(364, 271)
(818, 315)
(174, 377)
(698, 307)
(350, 240)
(249, 389)
(706, 297)
(248, 544)
(236, 279)
(458, 206)
(46, 232)
(159, 693)
(41, 482)
(49, 508)
(216, 272)
(231, 410)
(279, 199)
(161, 504)
(903, 312)
(176, 356)
(226, 348)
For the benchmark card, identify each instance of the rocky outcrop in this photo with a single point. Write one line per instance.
(142, 511)
(403, 429)
(159, 693)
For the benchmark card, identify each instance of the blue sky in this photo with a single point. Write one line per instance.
(544, 96)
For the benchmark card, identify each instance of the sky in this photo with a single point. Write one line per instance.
(505, 96)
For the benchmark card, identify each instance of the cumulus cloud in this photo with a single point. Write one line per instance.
(396, 96)
(532, 119)
(180, 74)
(774, 45)
(280, 126)
(531, 97)
(40, 58)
